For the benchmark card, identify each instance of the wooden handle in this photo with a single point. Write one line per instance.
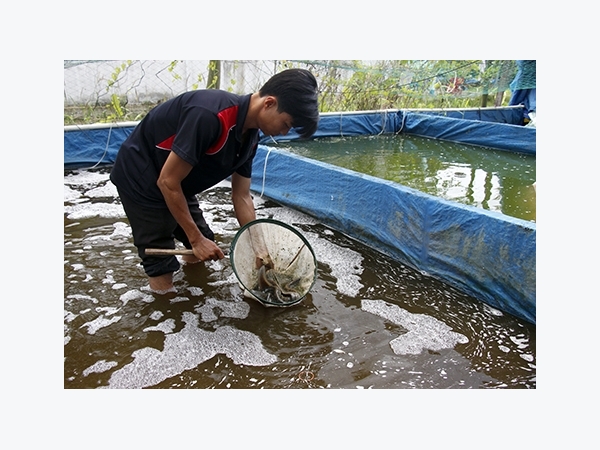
(166, 251)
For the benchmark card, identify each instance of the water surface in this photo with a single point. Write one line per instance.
(494, 180)
(368, 323)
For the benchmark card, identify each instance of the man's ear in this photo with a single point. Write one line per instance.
(270, 101)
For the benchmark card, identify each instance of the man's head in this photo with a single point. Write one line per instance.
(296, 94)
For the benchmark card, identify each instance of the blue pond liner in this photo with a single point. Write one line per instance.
(486, 254)
(501, 136)
(98, 144)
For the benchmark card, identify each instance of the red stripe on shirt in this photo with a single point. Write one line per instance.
(167, 144)
(228, 119)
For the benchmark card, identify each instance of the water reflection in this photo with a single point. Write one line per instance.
(490, 179)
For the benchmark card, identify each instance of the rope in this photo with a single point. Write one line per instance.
(265, 168)
(383, 123)
(402, 124)
(105, 149)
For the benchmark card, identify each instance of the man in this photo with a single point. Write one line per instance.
(192, 142)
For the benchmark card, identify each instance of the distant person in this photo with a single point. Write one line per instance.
(523, 88)
(192, 142)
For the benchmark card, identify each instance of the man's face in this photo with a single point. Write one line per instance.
(273, 122)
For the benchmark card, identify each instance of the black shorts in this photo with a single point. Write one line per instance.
(157, 228)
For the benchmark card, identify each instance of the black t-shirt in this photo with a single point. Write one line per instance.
(202, 127)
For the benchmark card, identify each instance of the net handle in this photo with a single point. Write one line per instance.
(168, 251)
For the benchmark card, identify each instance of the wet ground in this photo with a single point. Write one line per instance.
(368, 323)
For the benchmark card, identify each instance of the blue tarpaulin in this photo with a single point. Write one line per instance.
(514, 138)
(98, 144)
(501, 136)
(486, 254)
(512, 116)
(86, 146)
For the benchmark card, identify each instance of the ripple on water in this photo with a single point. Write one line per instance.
(416, 333)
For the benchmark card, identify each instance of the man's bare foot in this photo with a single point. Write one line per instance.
(162, 284)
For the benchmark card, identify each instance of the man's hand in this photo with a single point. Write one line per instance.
(206, 250)
(172, 174)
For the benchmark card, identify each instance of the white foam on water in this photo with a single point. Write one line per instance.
(109, 279)
(109, 190)
(345, 263)
(135, 294)
(108, 310)
(285, 215)
(424, 332)
(99, 367)
(156, 315)
(185, 350)
(258, 201)
(231, 279)
(121, 230)
(215, 266)
(147, 288)
(213, 309)
(91, 210)
(99, 323)
(71, 194)
(195, 291)
(69, 316)
(82, 297)
(166, 327)
(84, 178)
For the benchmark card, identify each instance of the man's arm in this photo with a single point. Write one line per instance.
(245, 212)
(169, 181)
(242, 200)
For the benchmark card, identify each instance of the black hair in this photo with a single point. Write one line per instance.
(297, 94)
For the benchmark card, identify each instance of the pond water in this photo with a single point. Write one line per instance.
(491, 179)
(369, 322)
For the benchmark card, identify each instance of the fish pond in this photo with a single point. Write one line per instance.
(494, 180)
(369, 322)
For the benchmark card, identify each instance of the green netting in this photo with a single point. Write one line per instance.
(125, 90)
(525, 77)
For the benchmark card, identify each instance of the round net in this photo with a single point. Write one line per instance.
(274, 263)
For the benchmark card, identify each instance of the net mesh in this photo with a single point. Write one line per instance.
(274, 263)
(125, 90)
